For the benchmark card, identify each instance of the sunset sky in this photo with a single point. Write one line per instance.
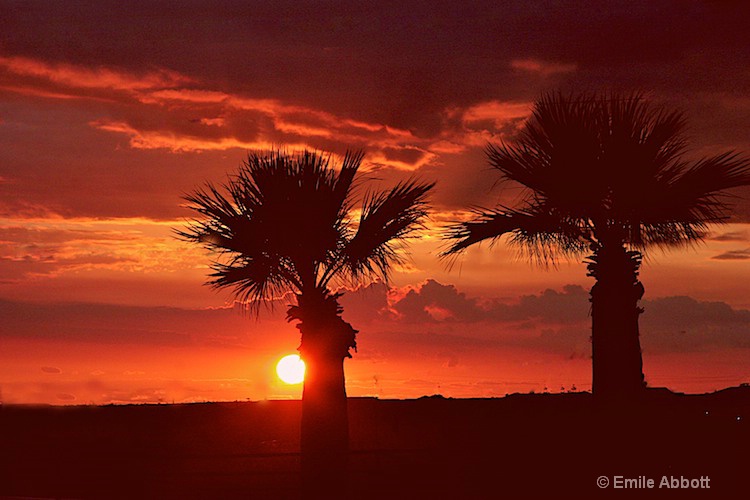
(109, 113)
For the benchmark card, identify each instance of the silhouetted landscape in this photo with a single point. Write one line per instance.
(523, 445)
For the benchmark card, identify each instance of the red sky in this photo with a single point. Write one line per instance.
(109, 113)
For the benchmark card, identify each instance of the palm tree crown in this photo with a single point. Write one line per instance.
(600, 170)
(288, 224)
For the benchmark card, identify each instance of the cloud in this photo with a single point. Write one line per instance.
(679, 324)
(542, 68)
(48, 247)
(370, 63)
(150, 139)
(488, 121)
(743, 254)
(730, 236)
(51, 369)
(267, 122)
(422, 88)
(497, 112)
(74, 76)
(225, 121)
(551, 321)
(566, 306)
(435, 302)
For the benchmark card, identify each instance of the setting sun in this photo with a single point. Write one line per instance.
(291, 369)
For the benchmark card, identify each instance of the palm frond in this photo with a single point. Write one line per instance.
(640, 142)
(254, 281)
(690, 199)
(557, 155)
(342, 189)
(704, 184)
(682, 232)
(542, 234)
(387, 218)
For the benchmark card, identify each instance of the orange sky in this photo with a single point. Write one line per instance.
(109, 114)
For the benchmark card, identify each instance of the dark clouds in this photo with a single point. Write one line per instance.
(730, 236)
(433, 301)
(743, 254)
(678, 324)
(551, 321)
(452, 326)
(432, 314)
(354, 42)
(420, 53)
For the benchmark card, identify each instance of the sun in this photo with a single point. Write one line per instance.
(291, 369)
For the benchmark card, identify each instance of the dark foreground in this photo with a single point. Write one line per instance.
(520, 446)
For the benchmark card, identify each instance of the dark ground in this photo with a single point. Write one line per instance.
(520, 446)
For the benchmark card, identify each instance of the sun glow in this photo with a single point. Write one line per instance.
(291, 369)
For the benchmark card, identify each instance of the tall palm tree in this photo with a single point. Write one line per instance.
(286, 224)
(605, 174)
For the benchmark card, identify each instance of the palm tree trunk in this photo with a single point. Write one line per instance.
(324, 432)
(324, 437)
(616, 349)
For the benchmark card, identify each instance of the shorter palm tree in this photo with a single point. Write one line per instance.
(286, 224)
(605, 174)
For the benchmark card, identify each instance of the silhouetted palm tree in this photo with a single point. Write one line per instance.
(286, 223)
(605, 174)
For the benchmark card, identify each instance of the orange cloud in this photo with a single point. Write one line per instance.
(77, 76)
(80, 77)
(172, 112)
(481, 123)
(293, 125)
(447, 147)
(403, 158)
(497, 111)
(386, 146)
(51, 247)
(185, 95)
(37, 92)
(282, 114)
(214, 122)
(302, 130)
(542, 68)
(180, 143)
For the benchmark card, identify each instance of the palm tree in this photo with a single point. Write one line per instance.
(287, 226)
(605, 174)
